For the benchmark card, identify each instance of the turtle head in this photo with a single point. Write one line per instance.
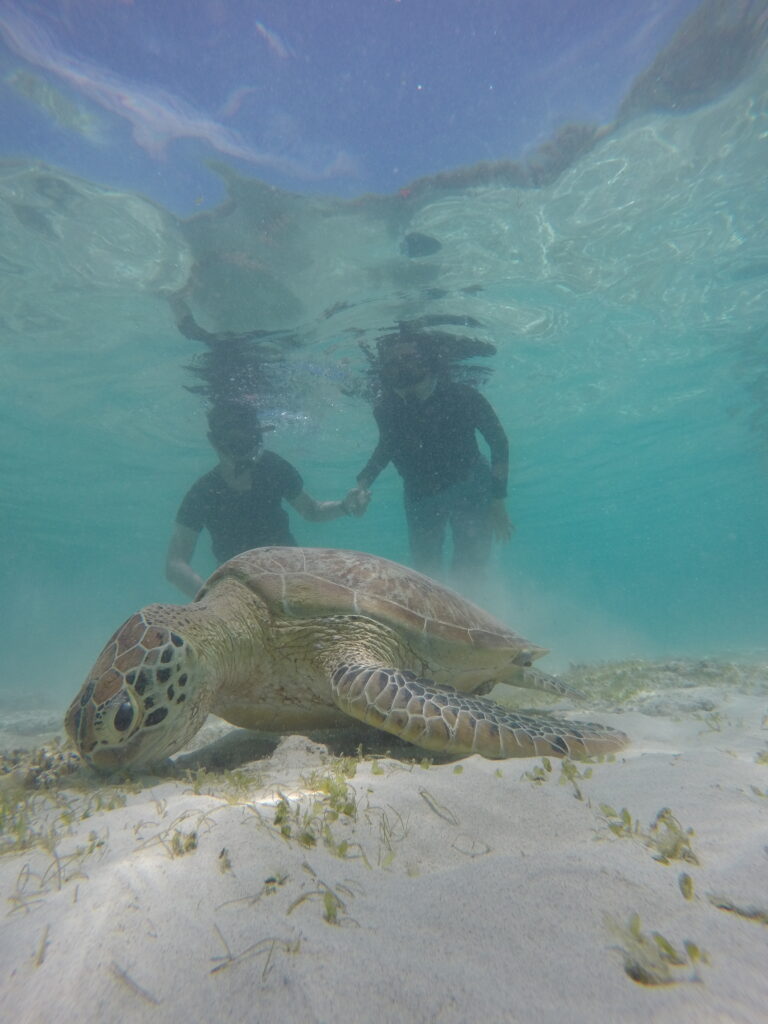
(146, 694)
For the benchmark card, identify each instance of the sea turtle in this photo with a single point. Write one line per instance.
(287, 639)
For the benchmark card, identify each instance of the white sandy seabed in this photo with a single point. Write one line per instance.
(297, 887)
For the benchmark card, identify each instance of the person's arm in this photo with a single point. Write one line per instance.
(490, 427)
(177, 560)
(378, 461)
(381, 457)
(501, 525)
(352, 504)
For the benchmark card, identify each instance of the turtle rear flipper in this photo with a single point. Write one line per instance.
(441, 718)
(535, 679)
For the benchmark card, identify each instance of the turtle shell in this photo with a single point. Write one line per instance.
(303, 583)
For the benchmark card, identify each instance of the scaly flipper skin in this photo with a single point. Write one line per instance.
(440, 718)
(535, 679)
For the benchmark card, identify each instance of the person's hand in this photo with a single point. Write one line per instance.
(501, 524)
(355, 502)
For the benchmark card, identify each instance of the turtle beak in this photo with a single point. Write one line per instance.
(108, 759)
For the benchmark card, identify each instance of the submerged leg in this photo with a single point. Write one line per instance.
(427, 519)
(440, 718)
(470, 516)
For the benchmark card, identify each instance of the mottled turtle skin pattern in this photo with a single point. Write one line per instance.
(288, 639)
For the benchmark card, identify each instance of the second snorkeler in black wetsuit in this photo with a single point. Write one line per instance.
(427, 429)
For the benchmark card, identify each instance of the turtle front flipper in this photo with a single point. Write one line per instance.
(440, 718)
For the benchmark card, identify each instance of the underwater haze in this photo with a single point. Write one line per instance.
(620, 269)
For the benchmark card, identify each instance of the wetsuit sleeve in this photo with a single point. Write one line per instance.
(192, 509)
(381, 454)
(489, 425)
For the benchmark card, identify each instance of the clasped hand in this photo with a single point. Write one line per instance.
(356, 501)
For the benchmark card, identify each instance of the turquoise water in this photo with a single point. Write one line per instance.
(628, 304)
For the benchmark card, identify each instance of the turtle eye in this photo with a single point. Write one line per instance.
(123, 716)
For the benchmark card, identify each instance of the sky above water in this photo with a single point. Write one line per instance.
(335, 96)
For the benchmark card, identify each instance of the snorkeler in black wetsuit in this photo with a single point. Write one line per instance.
(427, 428)
(240, 500)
